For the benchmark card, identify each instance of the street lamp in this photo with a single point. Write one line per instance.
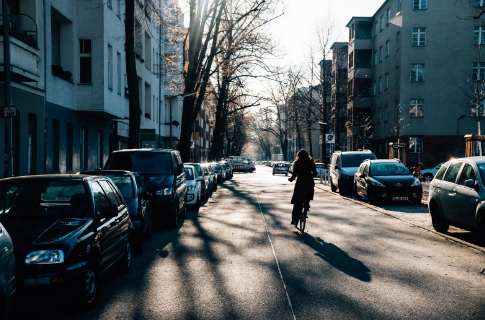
(457, 133)
(322, 151)
(183, 95)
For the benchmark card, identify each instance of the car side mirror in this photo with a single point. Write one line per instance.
(471, 183)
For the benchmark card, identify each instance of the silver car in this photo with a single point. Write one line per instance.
(457, 195)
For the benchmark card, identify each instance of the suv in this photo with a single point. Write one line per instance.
(163, 173)
(343, 166)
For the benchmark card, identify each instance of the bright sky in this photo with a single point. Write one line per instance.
(297, 27)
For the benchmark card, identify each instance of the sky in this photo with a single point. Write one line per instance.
(297, 27)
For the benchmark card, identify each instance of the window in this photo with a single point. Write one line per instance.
(478, 71)
(109, 3)
(118, 73)
(477, 110)
(419, 37)
(380, 84)
(376, 28)
(148, 101)
(416, 108)
(110, 67)
(388, 17)
(452, 172)
(398, 39)
(382, 22)
(479, 3)
(375, 57)
(417, 72)
(420, 4)
(85, 73)
(396, 81)
(374, 88)
(467, 173)
(381, 53)
(386, 81)
(415, 145)
(479, 35)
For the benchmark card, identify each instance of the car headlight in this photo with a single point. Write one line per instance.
(375, 183)
(416, 183)
(191, 188)
(164, 192)
(45, 257)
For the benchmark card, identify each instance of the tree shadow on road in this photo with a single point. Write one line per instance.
(337, 258)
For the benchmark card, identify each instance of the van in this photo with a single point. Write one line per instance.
(163, 173)
(343, 166)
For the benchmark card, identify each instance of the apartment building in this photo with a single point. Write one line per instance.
(68, 71)
(413, 67)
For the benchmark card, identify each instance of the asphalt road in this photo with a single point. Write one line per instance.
(238, 257)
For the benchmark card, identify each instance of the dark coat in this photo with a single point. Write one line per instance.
(303, 171)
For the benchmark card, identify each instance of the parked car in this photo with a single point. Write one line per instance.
(321, 167)
(229, 169)
(213, 171)
(292, 166)
(137, 198)
(209, 173)
(457, 195)
(67, 230)
(343, 166)
(386, 181)
(221, 173)
(164, 177)
(280, 168)
(212, 175)
(194, 192)
(7, 273)
(428, 174)
(204, 180)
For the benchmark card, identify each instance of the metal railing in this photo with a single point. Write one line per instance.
(23, 28)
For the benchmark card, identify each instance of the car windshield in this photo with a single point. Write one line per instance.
(354, 160)
(142, 162)
(189, 173)
(388, 169)
(125, 185)
(43, 198)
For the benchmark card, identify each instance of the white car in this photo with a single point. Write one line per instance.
(194, 189)
(428, 174)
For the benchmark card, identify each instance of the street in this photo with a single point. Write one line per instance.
(238, 257)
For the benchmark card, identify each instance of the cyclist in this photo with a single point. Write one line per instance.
(304, 171)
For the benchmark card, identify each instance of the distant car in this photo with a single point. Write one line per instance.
(137, 198)
(386, 181)
(194, 192)
(321, 167)
(428, 174)
(7, 273)
(457, 195)
(221, 173)
(66, 230)
(204, 180)
(212, 175)
(292, 166)
(280, 168)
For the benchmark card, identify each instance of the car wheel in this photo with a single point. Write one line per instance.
(332, 187)
(148, 231)
(439, 223)
(428, 177)
(89, 284)
(126, 260)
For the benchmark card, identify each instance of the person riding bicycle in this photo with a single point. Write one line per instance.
(305, 169)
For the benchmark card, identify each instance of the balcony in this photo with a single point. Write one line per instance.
(24, 52)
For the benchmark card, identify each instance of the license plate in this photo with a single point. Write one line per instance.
(399, 198)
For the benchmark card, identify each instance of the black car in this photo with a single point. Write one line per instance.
(386, 180)
(164, 177)
(137, 198)
(66, 231)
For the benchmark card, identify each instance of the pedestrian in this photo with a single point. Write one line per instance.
(304, 171)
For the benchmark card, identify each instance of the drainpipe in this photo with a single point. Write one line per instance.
(7, 98)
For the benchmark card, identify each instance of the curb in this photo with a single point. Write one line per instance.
(384, 212)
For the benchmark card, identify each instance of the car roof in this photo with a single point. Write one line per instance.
(109, 172)
(478, 159)
(65, 176)
(145, 150)
(381, 161)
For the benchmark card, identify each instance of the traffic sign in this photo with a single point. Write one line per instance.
(329, 138)
(7, 112)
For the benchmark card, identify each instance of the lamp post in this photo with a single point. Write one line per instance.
(170, 111)
(322, 151)
(458, 133)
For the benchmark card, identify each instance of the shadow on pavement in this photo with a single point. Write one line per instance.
(337, 258)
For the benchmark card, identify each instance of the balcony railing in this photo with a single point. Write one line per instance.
(23, 28)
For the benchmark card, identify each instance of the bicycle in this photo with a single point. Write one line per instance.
(301, 221)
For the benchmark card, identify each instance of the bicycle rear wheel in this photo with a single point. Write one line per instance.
(302, 221)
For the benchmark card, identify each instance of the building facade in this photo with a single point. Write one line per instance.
(68, 81)
(413, 68)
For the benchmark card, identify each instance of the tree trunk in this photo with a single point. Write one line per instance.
(132, 77)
